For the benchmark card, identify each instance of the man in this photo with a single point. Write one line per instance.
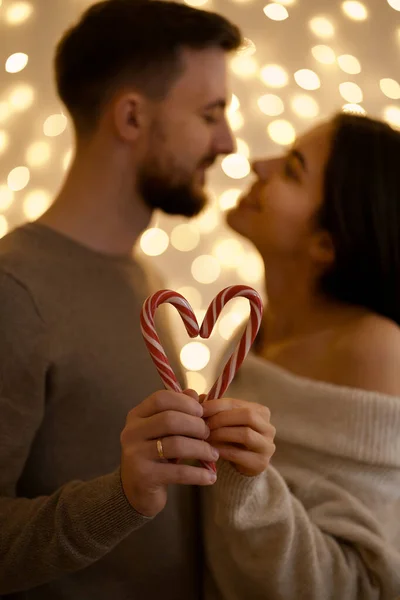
(145, 85)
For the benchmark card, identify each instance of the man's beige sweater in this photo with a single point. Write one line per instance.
(72, 365)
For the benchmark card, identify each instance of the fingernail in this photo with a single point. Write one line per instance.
(215, 453)
(213, 477)
(199, 410)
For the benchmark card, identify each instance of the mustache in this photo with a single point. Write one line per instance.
(208, 162)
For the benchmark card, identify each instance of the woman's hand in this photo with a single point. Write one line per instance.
(242, 433)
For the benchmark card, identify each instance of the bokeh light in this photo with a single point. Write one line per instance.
(305, 106)
(18, 12)
(67, 159)
(55, 125)
(242, 147)
(275, 11)
(391, 88)
(207, 221)
(394, 4)
(322, 27)
(271, 105)
(6, 197)
(206, 269)
(3, 226)
(349, 64)
(282, 132)
(16, 62)
(229, 324)
(196, 3)
(274, 76)
(18, 178)
(38, 154)
(5, 111)
(351, 92)
(236, 166)
(36, 203)
(307, 79)
(154, 241)
(22, 97)
(185, 237)
(324, 54)
(244, 66)
(229, 198)
(251, 270)
(4, 139)
(196, 381)
(391, 114)
(236, 120)
(354, 109)
(229, 253)
(195, 356)
(355, 10)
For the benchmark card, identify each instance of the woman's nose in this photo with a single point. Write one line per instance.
(261, 169)
(265, 168)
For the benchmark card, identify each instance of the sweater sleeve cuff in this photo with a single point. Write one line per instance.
(235, 493)
(106, 515)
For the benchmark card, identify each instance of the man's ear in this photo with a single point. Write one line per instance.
(129, 115)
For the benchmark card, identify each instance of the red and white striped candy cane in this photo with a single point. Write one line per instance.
(186, 312)
(249, 335)
(153, 341)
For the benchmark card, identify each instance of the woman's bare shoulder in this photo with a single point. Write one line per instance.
(366, 354)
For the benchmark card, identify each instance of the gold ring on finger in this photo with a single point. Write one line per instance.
(160, 449)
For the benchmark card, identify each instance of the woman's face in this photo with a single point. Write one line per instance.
(278, 213)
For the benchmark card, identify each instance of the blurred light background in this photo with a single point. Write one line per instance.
(303, 60)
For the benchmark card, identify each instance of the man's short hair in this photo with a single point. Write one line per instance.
(125, 42)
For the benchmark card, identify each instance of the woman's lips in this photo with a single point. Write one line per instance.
(249, 203)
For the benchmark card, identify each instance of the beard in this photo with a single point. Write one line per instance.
(159, 191)
(165, 185)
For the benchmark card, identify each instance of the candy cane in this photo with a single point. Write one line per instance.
(189, 319)
(249, 335)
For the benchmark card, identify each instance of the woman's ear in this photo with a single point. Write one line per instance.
(322, 250)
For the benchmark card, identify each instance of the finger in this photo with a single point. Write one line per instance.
(244, 436)
(166, 400)
(170, 473)
(246, 462)
(249, 416)
(183, 448)
(192, 394)
(213, 407)
(174, 423)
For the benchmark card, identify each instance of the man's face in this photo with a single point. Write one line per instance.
(189, 131)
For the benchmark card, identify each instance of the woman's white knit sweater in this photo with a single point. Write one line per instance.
(323, 522)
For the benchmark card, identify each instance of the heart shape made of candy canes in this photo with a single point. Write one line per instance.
(156, 350)
(192, 327)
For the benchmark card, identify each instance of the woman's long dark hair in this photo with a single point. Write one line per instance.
(361, 211)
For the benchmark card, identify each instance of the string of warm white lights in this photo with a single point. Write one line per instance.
(302, 60)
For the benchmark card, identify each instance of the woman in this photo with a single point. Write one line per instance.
(323, 522)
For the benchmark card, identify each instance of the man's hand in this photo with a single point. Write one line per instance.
(242, 433)
(176, 420)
